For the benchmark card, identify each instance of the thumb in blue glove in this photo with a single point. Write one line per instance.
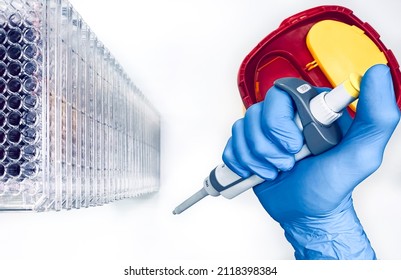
(312, 200)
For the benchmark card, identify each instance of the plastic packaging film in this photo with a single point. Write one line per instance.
(74, 129)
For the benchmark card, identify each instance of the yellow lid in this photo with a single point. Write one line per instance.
(352, 84)
(341, 49)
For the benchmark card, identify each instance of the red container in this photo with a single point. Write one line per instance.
(284, 53)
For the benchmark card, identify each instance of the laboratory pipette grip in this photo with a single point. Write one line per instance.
(316, 117)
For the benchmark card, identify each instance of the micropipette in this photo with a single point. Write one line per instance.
(316, 117)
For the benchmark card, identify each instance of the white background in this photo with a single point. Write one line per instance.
(184, 56)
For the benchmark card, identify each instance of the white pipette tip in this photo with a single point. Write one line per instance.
(190, 201)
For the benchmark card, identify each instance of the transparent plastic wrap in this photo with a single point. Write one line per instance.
(74, 130)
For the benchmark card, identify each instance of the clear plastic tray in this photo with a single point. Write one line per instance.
(74, 130)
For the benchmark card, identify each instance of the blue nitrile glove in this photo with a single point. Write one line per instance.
(312, 200)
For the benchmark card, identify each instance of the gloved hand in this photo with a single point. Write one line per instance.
(312, 199)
